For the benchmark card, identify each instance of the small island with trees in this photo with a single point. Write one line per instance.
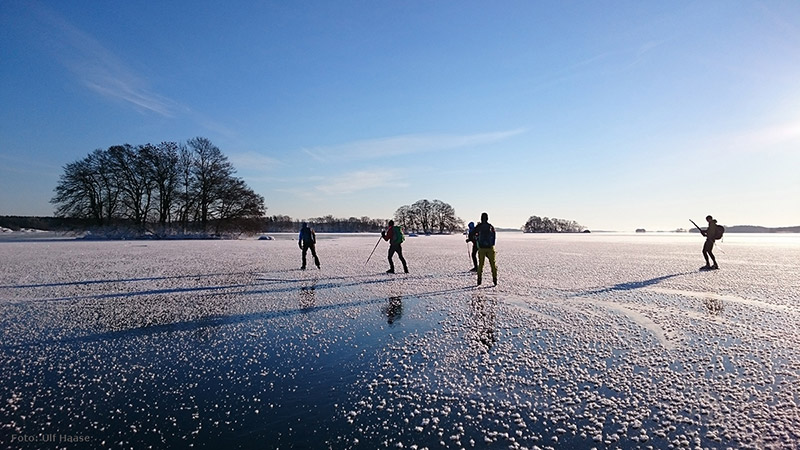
(536, 224)
(428, 217)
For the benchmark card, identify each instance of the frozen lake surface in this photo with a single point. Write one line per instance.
(588, 341)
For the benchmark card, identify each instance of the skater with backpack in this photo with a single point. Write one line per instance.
(712, 233)
(486, 238)
(307, 241)
(395, 237)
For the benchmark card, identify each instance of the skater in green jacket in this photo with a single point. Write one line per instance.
(395, 238)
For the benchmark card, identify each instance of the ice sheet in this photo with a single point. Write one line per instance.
(588, 340)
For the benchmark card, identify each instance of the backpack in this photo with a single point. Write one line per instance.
(397, 235)
(486, 236)
(719, 233)
(306, 236)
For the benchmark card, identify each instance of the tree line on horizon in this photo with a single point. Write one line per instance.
(325, 224)
(187, 186)
(423, 216)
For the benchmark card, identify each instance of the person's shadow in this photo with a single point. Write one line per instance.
(632, 285)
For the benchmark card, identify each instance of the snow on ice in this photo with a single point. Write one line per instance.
(588, 341)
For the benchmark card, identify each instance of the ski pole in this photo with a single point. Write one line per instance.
(698, 227)
(373, 250)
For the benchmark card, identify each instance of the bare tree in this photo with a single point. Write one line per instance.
(236, 200)
(186, 196)
(78, 194)
(131, 166)
(444, 217)
(88, 189)
(211, 170)
(164, 160)
(423, 213)
(404, 218)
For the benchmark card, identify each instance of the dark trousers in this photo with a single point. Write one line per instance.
(306, 248)
(475, 256)
(707, 247)
(397, 248)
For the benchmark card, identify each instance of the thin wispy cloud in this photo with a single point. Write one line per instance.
(769, 137)
(781, 138)
(116, 84)
(619, 61)
(605, 63)
(254, 162)
(360, 180)
(99, 69)
(405, 144)
(24, 165)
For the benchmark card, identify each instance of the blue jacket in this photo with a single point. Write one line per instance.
(307, 236)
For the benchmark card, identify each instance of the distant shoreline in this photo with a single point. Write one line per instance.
(30, 224)
(756, 229)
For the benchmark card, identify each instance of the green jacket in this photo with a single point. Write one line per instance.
(394, 235)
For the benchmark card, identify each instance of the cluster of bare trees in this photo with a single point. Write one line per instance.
(185, 185)
(536, 224)
(428, 217)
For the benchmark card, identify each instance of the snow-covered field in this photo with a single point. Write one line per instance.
(588, 341)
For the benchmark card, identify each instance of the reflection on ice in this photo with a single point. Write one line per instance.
(481, 323)
(394, 310)
(713, 305)
(307, 297)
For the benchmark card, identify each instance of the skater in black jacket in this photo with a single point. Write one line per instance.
(308, 241)
(711, 234)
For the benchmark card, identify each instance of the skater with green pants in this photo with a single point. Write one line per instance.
(486, 238)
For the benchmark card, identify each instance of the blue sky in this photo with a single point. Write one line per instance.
(618, 115)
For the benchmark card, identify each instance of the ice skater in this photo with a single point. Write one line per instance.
(395, 238)
(486, 238)
(307, 241)
(711, 234)
(472, 237)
